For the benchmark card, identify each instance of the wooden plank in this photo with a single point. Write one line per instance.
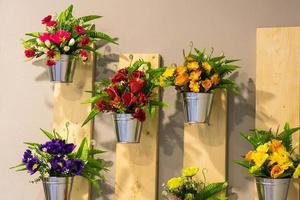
(68, 107)
(205, 145)
(278, 82)
(136, 164)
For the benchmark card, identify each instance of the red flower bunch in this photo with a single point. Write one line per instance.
(129, 91)
(64, 35)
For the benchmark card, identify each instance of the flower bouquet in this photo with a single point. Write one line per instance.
(58, 162)
(271, 161)
(127, 95)
(188, 187)
(196, 79)
(65, 38)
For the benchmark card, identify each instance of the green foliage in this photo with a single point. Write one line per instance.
(211, 190)
(91, 116)
(258, 137)
(89, 18)
(100, 35)
(286, 136)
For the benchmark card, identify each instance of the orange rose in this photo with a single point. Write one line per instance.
(181, 70)
(215, 79)
(193, 65)
(194, 76)
(181, 79)
(206, 84)
(194, 86)
(276, 171)
(206, 66)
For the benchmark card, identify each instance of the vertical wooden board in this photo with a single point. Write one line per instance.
(205, 146)
(136, 164)
(278, 82)
(68, 107)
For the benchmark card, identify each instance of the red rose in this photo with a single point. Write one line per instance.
(79, 30)
(128, 99)
(101, 105)
(51, 23)
(137, 74)
(50, 54)
(123, 71)
(136, 85)
(111, 92)
(29, 53)
(142, 98)
(46, 19)
(84, 41)
(44, 36)
(50, 62)
(139, 114)
(118, 77)
(83, 54)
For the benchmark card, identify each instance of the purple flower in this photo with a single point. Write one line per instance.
(27, 156)
(33, 165)
(58, 164)
(57, 146)
(75, 167)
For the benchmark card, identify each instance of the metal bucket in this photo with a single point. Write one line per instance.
(272, 189)
(128, 129)
(197, 106)
(58, 188)
(63, 70)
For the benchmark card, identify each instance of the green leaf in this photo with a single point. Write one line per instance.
(83, 150)
(48, 134)
(18, 166)
(286, 136)
(211, 190)
(243, 163)
(100, 35)
(34, 34)
(91, 116)
(89, 18)
(93, 152)
(94, 99)
(66, 14)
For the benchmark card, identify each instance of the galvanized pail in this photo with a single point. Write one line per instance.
(272, 189)
(58, 188)
(63, 70)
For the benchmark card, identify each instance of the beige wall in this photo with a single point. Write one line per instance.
(163, 26)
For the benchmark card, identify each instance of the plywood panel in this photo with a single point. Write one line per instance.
(136, 164)
(278, 82)
(205, 144)
(68, 107)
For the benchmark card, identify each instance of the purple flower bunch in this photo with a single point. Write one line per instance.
(32, 163)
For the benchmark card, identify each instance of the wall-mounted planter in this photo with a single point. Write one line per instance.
(63, 70)
(197, 106)
(58, 188)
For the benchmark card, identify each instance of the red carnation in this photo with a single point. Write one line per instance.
(50, 62)
(46, 19)
(101, 105)
(84, 41)
(79, 30)
(63, 35)
(44, 36)
(55, 38)
(137, 74)
(51, 23)
(128, 99)
(142, 98)
(118, 77)
(136, 85)
(139, 114)
(29, 53)
(50, 54)
(83, 54)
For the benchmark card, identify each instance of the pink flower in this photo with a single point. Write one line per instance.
(84, 41)
(50, 62)
(55, 38)
(29, 53)
(51, 23)
(83, 54)
(44, 36)
(136, 85)
(128, 99)
(46, 19)
(139, 114)
(59, 36)
(79, 30)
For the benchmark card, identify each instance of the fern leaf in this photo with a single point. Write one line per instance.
(89, 18)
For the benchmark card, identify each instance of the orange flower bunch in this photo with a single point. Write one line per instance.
(200, 73)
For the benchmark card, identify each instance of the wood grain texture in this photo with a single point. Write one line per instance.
(136, 164)
(278, 82)
(68, 107)
(205, 146)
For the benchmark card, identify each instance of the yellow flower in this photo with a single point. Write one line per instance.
(193, 65)
(169, 72)
(195, 75)
(253, 169)
(259, 158)
(215, 79)
(264, 148)
(206, 84)
(249, 155)
(190, 171)
(189, 58)
(297, 172)
(194, 86)
(181, 79)
(276, 171)
(206, 66)
(281, 158)
(276, 146)
(181, 70)
(162, 81)
(175, 183)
